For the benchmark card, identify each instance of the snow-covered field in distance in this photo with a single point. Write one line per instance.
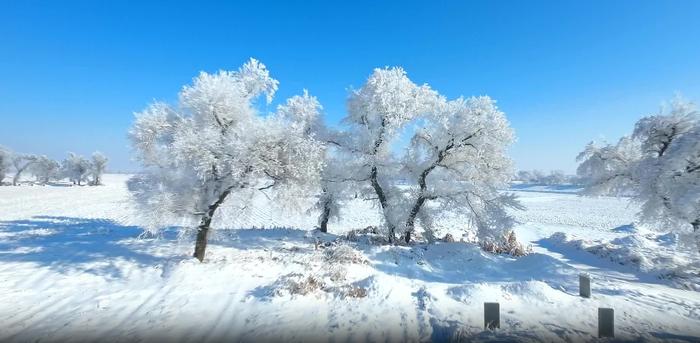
(72, 265)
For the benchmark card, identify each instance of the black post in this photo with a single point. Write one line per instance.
(606, 322)
(492, 316)
(584, 284)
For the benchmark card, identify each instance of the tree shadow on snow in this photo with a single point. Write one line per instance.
(68, 244)
(595, 263)
(467, 264)
(270, 238)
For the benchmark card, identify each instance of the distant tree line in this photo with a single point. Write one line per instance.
(75, 168)
(539, 177)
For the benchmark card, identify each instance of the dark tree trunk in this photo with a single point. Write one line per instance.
(382, 201)
(324, 217)
(411, 220)
(696, 230)
(326, 212)
(200, 246)
(15, 179)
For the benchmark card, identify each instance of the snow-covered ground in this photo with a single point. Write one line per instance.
(72, 267)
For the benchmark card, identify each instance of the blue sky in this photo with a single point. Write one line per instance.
(72, 73)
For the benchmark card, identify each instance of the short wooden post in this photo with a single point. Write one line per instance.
(606, 322)
(584, 285)
(492, 316)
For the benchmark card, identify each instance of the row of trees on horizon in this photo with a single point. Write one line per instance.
(76, 168)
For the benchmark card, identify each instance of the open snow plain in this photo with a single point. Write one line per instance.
(74, 267)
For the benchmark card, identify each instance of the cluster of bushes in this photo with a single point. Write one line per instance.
(77, 169)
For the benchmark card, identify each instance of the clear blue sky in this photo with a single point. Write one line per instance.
(72, 73)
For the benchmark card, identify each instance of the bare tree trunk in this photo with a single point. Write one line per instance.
(382, 201)
(326, 210)
(200, 246)
(324, 217)
(410, 221)
(696, 231)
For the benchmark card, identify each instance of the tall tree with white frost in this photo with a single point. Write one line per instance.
(98, 167)
(610, 169)
(456, 158)
(5, 162)
(21, 162)
(659, 165)
(385, 104)
(669, 170)
(75, 168)
(215, 145)
(44, 169)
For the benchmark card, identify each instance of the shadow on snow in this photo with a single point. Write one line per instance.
(73, 244)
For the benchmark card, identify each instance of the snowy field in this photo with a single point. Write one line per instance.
(73, 267)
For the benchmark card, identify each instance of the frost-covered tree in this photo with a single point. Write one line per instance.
(610, 169)
(5, 162)
(456, 158)
(556, 177)
(214, 148)
(377, 112)
(75, 168)
(525, 176)
(21, 162)
(45, 169)
(659, 165)
(98, 167)
(305, 111)
(669, 170)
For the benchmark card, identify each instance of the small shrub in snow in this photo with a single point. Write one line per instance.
(507, 245)
(448, 238)
(356, 292)
(343, 253)
(297, 283)
(305, 286)
(369, 235)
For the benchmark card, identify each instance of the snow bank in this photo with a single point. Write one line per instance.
(651, 254)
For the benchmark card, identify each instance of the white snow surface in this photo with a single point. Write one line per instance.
(74, 267)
